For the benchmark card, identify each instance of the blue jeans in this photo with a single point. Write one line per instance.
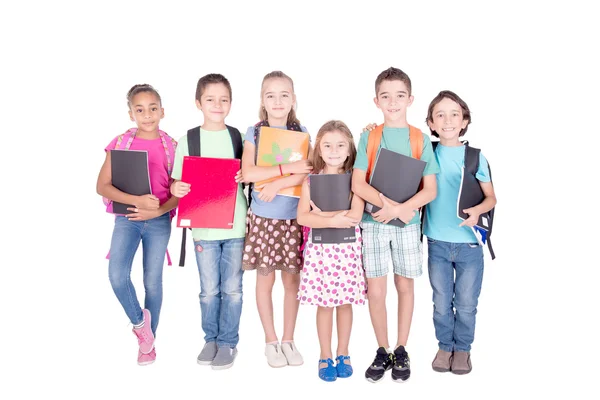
(455, 299)
(220, 270)
(154, 235)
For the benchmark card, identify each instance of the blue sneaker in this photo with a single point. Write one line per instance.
(343, 370)
(328, 373)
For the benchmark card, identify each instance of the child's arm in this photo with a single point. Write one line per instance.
(143, 215)
(362, 189)
(105, 188)
(253, 173)
(357, 207)
(486, 205)
(316, 219)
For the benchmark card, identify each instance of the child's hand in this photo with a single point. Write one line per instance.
(297, 167)
(147, 202)
(473, 217)
(141, 214)
(340, 220)
(370, 127)
(268, 191)
(391, 210)
(180, 189)
(314, 207)
(239, 177)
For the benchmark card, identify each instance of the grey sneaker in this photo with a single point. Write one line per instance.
(224, 358)
(208, 353)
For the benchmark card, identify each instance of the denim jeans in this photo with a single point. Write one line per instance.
(154, 235)
(455, 298)
(220, 270)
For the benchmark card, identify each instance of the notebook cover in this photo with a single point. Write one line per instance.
(280, 146)
(129, 174)
(396, 176)
(211, 200)
(332, 193)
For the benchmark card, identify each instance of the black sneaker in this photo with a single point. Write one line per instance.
(401, 370)
(383, 361)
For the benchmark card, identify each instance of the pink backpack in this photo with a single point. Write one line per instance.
(124, 143)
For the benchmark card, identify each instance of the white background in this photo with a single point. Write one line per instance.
(526, 69)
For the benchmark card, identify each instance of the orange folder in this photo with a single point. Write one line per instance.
(280, 146)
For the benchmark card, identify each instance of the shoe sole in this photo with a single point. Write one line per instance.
(142, 364)
(437, 369)
(373, 380)
(276, 366)
(460, 372)
(202, 362)
(400, 380)
(219, 367)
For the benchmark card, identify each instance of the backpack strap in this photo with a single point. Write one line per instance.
(472, 166)
(193, 139)
(416, 141)
(373, 142)
(236, 141)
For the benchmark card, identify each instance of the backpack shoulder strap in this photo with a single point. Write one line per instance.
(373, 142)
(471, 159)
(236, 141)
(124, 141)
(416, 141)
(434, 144)
(193, 139)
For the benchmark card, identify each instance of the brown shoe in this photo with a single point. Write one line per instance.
(461, 362)
(442, 361)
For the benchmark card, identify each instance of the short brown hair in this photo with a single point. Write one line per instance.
(393, 74)
(209, 79)
(332, 126)
(447, 94)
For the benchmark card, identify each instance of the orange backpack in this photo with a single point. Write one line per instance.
(416, 146)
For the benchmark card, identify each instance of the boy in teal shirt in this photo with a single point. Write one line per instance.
(383, 243)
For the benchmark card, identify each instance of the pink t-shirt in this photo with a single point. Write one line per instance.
(157, 164)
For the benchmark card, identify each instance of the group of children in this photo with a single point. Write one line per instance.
(273, 232)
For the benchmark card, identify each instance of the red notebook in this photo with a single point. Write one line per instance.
(211, 200)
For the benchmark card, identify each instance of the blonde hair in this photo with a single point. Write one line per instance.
(262, 112)
(332, 126)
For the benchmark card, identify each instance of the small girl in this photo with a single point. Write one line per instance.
(333, 276)
(149, 220)
(273, 237)
(454, 256)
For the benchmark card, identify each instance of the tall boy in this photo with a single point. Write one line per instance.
(382, 242)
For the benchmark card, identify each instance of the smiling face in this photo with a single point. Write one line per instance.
(278, 98)
(447, 120)
(215, 103)
(145, 109)
(393, 98)
(334, 148)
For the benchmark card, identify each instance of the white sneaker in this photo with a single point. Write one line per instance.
(292, 354)
(275, 357)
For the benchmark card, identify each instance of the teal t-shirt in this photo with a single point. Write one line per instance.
(215, 144)
(398, 140)
(442, 222)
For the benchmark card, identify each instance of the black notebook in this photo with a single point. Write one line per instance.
(332, 193)
(470, 195)
(397, 177)
(130, 175)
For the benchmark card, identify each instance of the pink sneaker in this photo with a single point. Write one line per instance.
(145, 359)
(144, 334)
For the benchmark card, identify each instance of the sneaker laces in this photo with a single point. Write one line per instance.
(380, 359)
(401, 359)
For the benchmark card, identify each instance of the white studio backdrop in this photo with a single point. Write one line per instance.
(526, 70)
